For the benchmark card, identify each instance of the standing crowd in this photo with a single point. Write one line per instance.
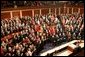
(29, 34)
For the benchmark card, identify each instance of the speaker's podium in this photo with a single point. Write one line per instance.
(68, 49)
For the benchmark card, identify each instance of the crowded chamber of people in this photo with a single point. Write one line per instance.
(29, 34)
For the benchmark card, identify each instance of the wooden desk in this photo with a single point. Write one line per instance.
(68, 52)
(72, 46)
(64, 53)
(57, 48)
(60, 47)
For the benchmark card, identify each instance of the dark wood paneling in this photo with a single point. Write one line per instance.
(27, 13)
(62, 10)
(36, 12)
(53, 10)
(81, 11)
(70, 10)
(57, 11)
(44, 11)
(5, 15)
(65, 11)
(75, 9)
(17, 13)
